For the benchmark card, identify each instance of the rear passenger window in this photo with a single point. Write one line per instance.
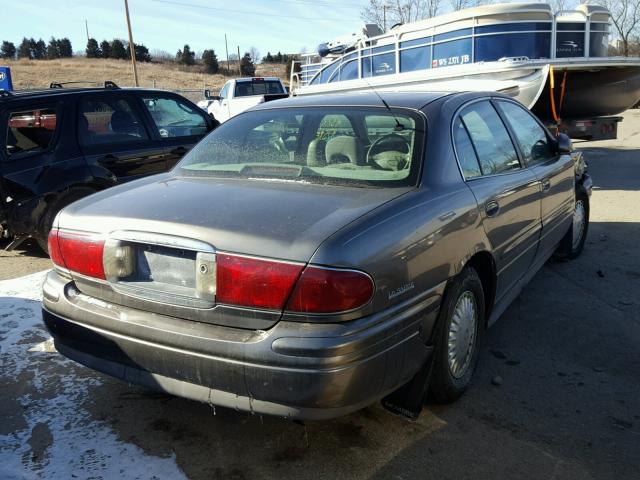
(102, 121)
(464, 149)
(531, 136)
(30, 131)
(489, 136)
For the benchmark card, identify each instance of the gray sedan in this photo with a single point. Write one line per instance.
(314, 255)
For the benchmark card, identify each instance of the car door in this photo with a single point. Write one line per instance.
(115, 139)
(221, 107)
(554, 172)
(177, 124)
(507, 194)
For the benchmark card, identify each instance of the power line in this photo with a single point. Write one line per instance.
(243, 12)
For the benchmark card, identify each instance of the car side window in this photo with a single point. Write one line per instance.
(30, 131)
(533, 140)
(467, 157)
(174, 118)
(109, 120)
(495, 150)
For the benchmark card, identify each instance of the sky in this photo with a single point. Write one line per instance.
(269, 25)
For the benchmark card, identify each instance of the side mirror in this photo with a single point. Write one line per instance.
(564, 144)
(207, 94)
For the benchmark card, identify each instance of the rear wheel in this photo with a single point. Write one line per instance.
(50, 214)
(460, 330)
(572, 244)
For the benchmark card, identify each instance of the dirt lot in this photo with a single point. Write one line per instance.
(569, 407)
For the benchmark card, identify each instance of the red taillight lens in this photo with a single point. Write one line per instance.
(252, 282)
(77, 252)
(325, 290)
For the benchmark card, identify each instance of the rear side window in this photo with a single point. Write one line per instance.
(467, 157)
(31, 131)
(490, 138)
(174, 118)
(533, 140)
(257, 87)
(109, 120)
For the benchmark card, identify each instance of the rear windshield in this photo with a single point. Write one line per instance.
(353, 146)
(258, 87)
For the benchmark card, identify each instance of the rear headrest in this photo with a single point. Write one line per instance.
(340, 148)
(123, 122)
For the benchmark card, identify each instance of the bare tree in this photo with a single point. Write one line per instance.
(462, 4)
(254, 54)
(625, 15)
(390, 12)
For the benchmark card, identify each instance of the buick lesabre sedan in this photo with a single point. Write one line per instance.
(314, 255)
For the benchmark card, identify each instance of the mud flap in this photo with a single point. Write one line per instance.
(407, 401)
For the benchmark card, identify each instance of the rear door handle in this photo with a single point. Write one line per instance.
(109, 160)
(546, 184)
(492, 208)
(179, 151)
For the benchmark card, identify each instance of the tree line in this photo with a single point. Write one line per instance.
(119, 50)
(37, 50)
(116, 49)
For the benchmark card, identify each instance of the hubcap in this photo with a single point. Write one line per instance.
(579, 217)
(462, 334)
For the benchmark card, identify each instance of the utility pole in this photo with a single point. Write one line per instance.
(132, 47)
(226, 47)
(86, 26)
(239, 68)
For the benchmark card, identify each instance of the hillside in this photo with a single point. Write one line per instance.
(38, 74)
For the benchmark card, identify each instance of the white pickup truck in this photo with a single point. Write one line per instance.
(241, 94)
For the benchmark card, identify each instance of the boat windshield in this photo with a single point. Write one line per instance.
(329, 145)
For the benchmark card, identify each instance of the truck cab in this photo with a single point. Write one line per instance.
(239, 95)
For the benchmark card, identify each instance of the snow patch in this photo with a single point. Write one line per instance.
(81, 447)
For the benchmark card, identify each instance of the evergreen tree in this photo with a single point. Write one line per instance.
(105, 48)
(32, 47)
(8, 50)
(24, 50)
(65, 49)
(118, 50)
(186, 56)
(278, 58)
(40, 50)
(210, 61)
(93, 50)
(247, 68)
(52, 49)
(142, 53)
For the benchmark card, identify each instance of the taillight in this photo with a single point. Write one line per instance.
(252, 282)
(261, 283)
(81, 253)
(327, 290)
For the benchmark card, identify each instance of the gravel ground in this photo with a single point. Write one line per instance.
(568, 406)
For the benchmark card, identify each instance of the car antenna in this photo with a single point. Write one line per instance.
(399, 127)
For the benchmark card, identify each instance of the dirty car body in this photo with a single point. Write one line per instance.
(297, 261)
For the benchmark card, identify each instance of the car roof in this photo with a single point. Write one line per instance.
(16, 95)
(369, 98)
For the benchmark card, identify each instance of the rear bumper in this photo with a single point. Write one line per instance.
(298, 370)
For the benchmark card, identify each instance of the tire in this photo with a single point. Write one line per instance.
(58, 204)
(571, 246)
(452, 377)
